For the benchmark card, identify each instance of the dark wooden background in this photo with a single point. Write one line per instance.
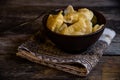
(12, 33)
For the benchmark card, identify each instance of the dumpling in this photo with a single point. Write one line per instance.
(97, 27)
(67, 31)
(88, 13)
(70, 15)
(64, 26)
(79, 26)
(54, 22)
(69, 9)
(83, 26)
(71, 18)
(88, 26)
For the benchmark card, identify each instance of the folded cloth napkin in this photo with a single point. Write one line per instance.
(47, 54)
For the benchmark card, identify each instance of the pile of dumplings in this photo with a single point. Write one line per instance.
(72, 22)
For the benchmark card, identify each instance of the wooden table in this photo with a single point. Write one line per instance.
(12, 34)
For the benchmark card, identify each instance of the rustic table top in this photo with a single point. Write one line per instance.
(12, 34)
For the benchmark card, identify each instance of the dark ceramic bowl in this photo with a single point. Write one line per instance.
(75, 43)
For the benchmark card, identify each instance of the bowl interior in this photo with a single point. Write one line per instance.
(100, 20)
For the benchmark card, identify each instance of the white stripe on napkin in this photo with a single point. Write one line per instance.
(107, 35)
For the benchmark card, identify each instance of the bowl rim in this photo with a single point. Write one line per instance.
(94, 11)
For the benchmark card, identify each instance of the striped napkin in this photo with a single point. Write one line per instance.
(46, 53)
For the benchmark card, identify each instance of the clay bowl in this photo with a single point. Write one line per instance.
(72, 43)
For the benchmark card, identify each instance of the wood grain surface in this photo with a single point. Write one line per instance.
(13, 33)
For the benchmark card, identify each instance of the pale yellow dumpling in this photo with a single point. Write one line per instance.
(97, 27)
(70, 15)
(81, 15)
(67, 31)
(64, 26)
(88, 26)
(71, 18)
(69, 9)
(88, 13)
(81, 27)
(54, 22)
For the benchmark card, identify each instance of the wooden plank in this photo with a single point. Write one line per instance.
(9, 44)
(13, 67)
(62, 2)
(111, 65)
(111, 68)
(22, 69)
(111, 76)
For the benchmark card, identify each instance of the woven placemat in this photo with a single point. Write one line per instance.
(44, 52)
